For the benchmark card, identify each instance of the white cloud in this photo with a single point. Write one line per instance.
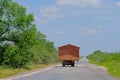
(81, 3)
(118, 3)
(40, 21)
(51, 12)
(91, 31)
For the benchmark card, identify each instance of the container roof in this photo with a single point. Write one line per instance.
(69, 45)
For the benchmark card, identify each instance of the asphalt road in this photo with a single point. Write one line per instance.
(82, 71)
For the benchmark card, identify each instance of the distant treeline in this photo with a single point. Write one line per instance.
(110, 60)
(21, 44)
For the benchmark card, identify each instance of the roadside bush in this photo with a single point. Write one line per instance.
(16, 58)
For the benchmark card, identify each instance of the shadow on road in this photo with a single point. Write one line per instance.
(68, 66)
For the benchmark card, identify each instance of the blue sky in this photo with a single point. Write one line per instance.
(90, 24)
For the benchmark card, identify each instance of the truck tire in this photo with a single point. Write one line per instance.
(72, 65)
(63, 65)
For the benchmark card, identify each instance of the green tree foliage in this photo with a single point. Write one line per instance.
(109, 60)
(98, 56)
(20, 42)
(45, 52)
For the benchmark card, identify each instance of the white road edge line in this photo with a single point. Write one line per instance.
(29, 74)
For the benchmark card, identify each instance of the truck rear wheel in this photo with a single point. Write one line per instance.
(63, 64)
(72, 65)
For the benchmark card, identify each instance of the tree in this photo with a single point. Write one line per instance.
(13, 20)
(18, 30)
(20, 42)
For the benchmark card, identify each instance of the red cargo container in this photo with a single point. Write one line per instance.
(68, 54)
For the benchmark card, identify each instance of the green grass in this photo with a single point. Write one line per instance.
(7, 72)
(111, 61)
(114, 68)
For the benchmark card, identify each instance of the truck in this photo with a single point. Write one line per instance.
(68, 54)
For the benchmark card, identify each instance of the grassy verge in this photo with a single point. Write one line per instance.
(111, 61)
(10, 71)
(112, 67)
